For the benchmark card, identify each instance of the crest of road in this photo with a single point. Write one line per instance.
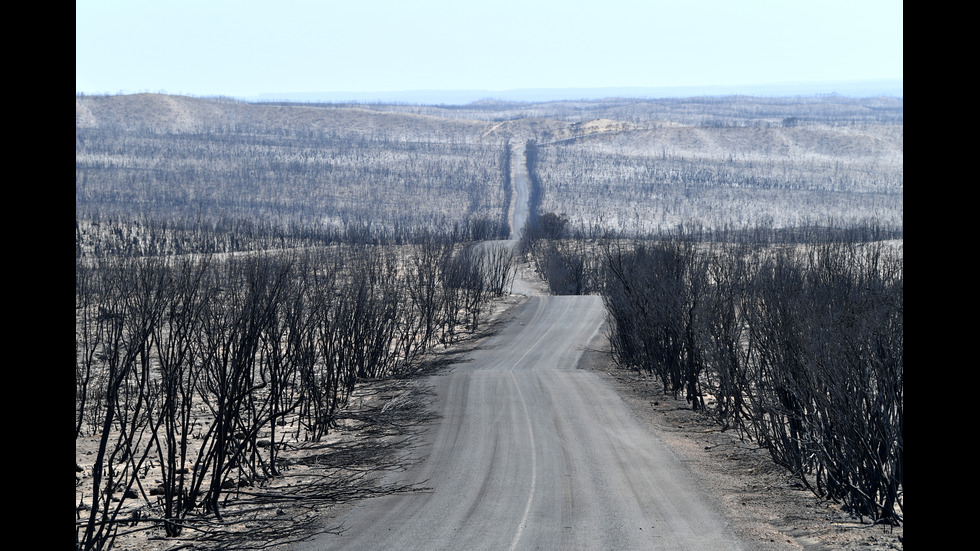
(532, 452)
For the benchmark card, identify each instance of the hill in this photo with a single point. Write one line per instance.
(619, 164)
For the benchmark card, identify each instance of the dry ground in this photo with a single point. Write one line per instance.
(765, 507)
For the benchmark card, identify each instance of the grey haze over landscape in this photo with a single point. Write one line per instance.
(869, 88)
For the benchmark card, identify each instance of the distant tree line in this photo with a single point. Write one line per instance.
(645, 181)
(300, 181)
(706, 111)
(145, 234)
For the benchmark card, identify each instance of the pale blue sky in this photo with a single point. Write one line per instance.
(243, 48)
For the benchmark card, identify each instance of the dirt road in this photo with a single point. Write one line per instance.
(521, 193)
(533, 453)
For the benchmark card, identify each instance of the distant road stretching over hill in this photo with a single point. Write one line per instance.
(531, 452)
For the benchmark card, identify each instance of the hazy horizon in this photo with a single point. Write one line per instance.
(853, 89)
(870, 88)
(252, 48)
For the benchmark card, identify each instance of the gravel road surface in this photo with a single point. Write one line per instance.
(532, 453)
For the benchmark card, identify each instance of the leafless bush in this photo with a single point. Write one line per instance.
(798, 347)
(240, 356)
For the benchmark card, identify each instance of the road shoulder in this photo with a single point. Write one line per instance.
(764, 506)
